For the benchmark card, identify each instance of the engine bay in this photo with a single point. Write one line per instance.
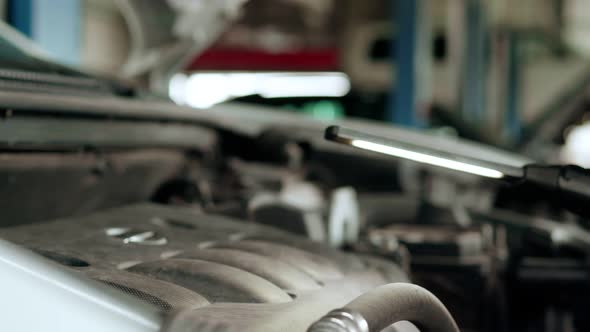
(252, 221)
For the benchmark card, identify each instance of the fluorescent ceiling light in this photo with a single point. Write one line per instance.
(207, 89)
(428, 159)
(304, 85)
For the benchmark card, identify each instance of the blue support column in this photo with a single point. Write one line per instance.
(403, 107)
(475, 63)
(412, 57)
(55, 25)
(19, 15)
(512, 122)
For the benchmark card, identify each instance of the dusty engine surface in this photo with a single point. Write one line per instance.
(213, 272)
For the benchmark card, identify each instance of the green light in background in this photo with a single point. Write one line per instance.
(325, 110)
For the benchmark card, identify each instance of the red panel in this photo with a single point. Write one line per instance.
(235, 59)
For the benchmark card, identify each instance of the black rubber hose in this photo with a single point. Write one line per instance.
(396, 302)
(383, 306)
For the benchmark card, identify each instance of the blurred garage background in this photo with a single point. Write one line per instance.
(496, 71)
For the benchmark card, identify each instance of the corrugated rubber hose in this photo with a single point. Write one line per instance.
(385, 305)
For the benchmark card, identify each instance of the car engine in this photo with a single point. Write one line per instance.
(121, 211)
